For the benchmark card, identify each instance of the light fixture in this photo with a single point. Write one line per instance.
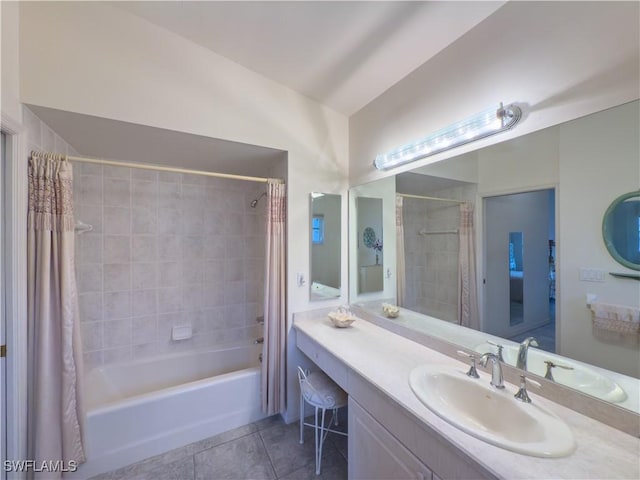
(484, 124)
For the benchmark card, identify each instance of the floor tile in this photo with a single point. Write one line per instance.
(183, 469)
(285, 451)
(332, 468)
(147, 465)
(224, 437)
(268, 422)
(240, 459)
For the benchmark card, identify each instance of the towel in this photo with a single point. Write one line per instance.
(616, 323)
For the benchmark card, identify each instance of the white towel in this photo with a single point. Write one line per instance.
(616, 312)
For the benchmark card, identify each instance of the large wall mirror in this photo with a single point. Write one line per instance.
(538, 255)
(325, 234)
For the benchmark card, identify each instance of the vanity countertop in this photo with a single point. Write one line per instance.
(384, 360)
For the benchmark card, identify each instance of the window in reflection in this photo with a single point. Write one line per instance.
(317, 230)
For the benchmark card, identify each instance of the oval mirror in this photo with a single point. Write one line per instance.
(621, 229)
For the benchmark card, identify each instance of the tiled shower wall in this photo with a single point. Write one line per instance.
(432, 260)
(166, 250)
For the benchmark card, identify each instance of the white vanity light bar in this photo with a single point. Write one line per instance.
(484, 124)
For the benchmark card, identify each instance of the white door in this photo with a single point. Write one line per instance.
(3, 360)
(517, 230)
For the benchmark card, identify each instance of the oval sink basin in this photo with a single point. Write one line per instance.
(581, 377)
(489, 414)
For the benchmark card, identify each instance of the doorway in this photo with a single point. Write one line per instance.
(519, 272)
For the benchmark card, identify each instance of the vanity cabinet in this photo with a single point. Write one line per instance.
(376, 454)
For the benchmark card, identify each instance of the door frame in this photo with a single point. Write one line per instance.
(16, 186)
(481, 247)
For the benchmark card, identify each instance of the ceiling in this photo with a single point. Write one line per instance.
(343, 54)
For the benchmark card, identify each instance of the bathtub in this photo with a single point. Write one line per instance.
(146, 407)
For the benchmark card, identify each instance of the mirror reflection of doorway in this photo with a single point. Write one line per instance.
(519, 259)
(516, 278)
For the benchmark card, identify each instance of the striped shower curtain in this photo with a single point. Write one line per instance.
(467, 291)
(400, 259)
(55, 413)
(274, 373)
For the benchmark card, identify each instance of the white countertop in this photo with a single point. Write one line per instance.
(384, 360)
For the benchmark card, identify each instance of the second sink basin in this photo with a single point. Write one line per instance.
(490, 414)
(580, 377)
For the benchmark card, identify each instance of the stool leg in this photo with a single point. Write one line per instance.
(319, 448)
(335, 415)
(301, 419)
(317, 438)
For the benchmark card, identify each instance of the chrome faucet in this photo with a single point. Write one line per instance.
(524, 350)
(496, 369)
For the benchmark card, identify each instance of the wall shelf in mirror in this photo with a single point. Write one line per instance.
(632, 276)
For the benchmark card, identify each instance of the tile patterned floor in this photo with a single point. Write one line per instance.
(267, 449)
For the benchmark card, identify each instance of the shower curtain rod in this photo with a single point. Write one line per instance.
(160, 168)
(422, 197)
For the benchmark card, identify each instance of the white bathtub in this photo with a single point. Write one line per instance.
(146, 407)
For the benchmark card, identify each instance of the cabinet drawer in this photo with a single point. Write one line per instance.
(323, 359)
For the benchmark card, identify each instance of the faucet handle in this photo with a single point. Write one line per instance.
(499, 347)
(522, 394)
(473, 373)
(550, 365)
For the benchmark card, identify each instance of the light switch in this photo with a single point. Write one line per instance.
(592, 275)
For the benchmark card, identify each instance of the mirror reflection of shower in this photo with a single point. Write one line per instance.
(254, 202)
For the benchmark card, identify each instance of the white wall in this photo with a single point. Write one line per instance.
(595, 168)
(10, 81)
(98, 60)
(586, 60)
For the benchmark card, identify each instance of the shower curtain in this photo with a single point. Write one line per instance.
(55, 413)
(274, 375)
(400, 268)
(467, 291)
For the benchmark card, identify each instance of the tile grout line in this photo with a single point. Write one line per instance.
(266, 450)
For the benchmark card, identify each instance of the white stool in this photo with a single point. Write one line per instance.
(319, 391)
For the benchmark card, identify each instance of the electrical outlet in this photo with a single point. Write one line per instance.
(592, 275)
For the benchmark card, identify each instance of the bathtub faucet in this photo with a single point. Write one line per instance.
(259, 340)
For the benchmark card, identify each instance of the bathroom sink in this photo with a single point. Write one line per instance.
(492, 415)
(580, 377)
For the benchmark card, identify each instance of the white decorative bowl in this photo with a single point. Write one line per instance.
(391, 311)
(341, 320)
